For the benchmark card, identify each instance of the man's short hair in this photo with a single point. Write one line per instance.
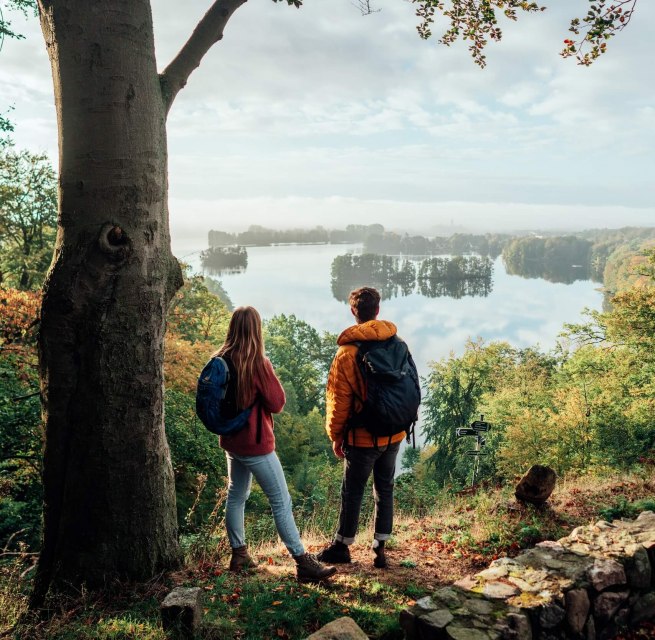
(366, 302)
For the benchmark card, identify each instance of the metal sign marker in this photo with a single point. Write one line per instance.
(478, 427)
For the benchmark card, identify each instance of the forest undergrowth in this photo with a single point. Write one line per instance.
(463, 534)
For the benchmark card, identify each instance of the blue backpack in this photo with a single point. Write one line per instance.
(216, 400)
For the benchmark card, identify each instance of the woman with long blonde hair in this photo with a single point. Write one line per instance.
(251, 451)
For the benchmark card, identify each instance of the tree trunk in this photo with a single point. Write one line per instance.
(108, 481)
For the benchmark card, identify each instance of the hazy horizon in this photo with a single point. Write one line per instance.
(191, 231)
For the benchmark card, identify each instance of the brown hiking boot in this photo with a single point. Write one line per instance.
(309, 569)
(241, 560)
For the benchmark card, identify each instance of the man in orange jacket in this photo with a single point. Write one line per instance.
(345, 393)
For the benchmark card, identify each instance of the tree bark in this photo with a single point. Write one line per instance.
(108, 481)
(207, 33)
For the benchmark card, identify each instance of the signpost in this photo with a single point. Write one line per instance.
(478, 427)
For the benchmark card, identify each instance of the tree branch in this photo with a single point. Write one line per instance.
(25, 397)
(207, 33)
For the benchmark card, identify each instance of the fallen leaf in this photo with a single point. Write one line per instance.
(276, 603)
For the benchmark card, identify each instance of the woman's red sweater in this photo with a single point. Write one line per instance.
(270, 399)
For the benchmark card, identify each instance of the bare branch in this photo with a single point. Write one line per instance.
(365, 7)
(207, 33)
(25, 397)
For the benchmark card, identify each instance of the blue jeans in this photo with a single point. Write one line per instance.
(358, 464)
(270, 477)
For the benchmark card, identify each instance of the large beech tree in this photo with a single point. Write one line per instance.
(109, 494)
(108, 482)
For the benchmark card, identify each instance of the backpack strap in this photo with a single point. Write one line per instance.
(363, 347)
(259, 421)
(348, 426)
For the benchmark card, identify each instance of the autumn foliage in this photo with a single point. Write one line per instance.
(19, 313)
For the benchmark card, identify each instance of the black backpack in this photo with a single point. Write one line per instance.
(393, 391)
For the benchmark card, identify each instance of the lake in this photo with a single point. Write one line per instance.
(296, 279)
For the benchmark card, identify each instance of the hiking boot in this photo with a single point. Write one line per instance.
(336, 553)
(309, 569)
(380, 560)
(241, 560)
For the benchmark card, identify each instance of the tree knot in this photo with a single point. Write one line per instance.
(114, 242)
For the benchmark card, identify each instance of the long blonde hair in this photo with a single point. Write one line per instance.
(244, 346)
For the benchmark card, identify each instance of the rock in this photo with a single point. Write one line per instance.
(589, 631)
(622, 617)
(493, 573)
(607, 604)
(426, 604)
(181, 612)
(467, 583)
(431, 626)
(448, 597)
(408, 624)
(339, 629)
(516, 627)
(499, 590)
(646, 515)
(551, 615)
(479, 606)
(550, 545)
(577, 609)
(523, 585)
(637, 567)
(649, 546)
(644, 608)
(536, 485)
(606, 573)
(466, 633)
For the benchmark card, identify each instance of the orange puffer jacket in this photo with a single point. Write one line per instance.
(345, 384)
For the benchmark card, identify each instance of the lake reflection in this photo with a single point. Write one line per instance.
(433, 277)
(221, 261)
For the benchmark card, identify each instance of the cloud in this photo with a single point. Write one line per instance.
(322, 102)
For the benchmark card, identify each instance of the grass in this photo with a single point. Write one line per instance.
(463, 534)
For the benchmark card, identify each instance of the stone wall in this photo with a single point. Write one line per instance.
(588, 585)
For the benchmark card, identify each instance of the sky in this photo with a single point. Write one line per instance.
(322, 116)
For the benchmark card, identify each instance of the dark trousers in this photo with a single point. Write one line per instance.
(358, 464)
